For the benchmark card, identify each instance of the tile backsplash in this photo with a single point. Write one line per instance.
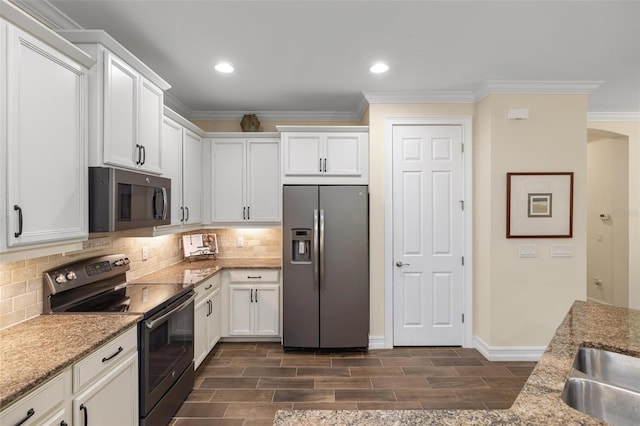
(21, 295)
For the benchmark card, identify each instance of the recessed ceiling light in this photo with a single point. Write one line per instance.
(224, 67)
(379, 68)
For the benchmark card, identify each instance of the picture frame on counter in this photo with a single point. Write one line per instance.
(540, 205)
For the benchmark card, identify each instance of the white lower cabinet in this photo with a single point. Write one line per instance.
(113, 399)
(43, 406)
(254, 303)
(100, 389)
(207, 318)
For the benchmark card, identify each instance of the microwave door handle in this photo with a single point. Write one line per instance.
(165, 207)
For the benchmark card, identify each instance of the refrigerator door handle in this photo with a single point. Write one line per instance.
(322, 249)
(316, 257)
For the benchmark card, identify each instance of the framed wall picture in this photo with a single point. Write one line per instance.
(540, 205)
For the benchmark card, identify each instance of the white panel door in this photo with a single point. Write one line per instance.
(172, 166)
(428, 238)
(192, 188)
(201, 331)
(303, 154)
(241, 310)
(263, 181)
(120, 113)
(46, 143)
(228, 180)
(342, 154)
(267, 312)
(150, 126)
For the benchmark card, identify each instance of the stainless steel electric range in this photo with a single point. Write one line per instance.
(165, 335)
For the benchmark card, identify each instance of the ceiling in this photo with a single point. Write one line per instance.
(314, 56)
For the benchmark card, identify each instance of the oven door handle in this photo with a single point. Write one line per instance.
(152, 324)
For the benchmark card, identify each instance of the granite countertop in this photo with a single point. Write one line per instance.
(539, 403)
(35, 351)
(187, 272)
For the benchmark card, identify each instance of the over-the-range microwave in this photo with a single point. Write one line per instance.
(120, 200)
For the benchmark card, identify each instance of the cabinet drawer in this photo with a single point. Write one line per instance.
(204, 289)
(104, 358)
(37, 404)
(255, 275)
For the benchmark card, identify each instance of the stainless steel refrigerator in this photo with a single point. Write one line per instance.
(325, 259)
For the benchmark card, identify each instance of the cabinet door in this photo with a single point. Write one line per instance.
(201, 333)
(120, 113)
(172, 166)
(113, 399)
(241, 310)
(150, 126)
(343, 154)
(303, 154)
(192, 173)
(267, 309)
(214, 319)
(263, 181)
(228, 181)
(46, 166)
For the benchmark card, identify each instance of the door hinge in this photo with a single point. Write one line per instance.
(462, 258)
(463, 318)
(462, 205)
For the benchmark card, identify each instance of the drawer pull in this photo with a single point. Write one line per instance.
(63, 423)
(86, 414)
(112, 356)
(30, 414)
(208, 287)
(255, 277)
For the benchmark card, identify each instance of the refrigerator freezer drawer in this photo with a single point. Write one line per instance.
(255, 275)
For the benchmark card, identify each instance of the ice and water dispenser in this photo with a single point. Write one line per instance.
(301, 245)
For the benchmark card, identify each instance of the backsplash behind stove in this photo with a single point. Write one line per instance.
(21, 281)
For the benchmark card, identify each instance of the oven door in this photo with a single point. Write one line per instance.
(166, 350)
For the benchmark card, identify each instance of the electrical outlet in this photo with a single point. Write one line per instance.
(145, 253)
(240, 242)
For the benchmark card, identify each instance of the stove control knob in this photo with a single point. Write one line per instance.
(71, 275)
(118, 262)
(125, 260)
(60, 278)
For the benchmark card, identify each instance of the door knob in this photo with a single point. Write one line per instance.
(400, 263)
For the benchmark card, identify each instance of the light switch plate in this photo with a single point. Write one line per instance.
(528, 250)
(562, 250)
(240, 241)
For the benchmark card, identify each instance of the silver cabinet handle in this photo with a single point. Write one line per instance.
(187, 219)
(256, 295)
(182, 214)
(165, 207)
(400, 263)
(244, 213)
(320, 166)
(325, 165)
(249, 213)
(251, 295)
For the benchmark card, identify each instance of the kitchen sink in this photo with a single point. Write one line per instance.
(612, 404)
(605, 385)
(610, 367)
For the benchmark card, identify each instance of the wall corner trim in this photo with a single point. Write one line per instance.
(508, 353)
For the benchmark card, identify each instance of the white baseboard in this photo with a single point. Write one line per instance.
(508, 353)
(591, 299)
(376, 342)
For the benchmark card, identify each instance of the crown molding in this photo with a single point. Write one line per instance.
(536, 86)
(340, 129)
(48, 14)
(418, 97)
(613, 116)
(277, 115)
(176, 105)
(175, 116)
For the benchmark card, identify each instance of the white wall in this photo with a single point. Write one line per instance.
(608, 240)
(519, 302)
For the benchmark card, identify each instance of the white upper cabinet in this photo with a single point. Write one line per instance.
(246, 179)
(183, 164)
(126, 105)
(43, 144)
(325, 154)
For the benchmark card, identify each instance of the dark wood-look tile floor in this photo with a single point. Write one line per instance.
(244, 384)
